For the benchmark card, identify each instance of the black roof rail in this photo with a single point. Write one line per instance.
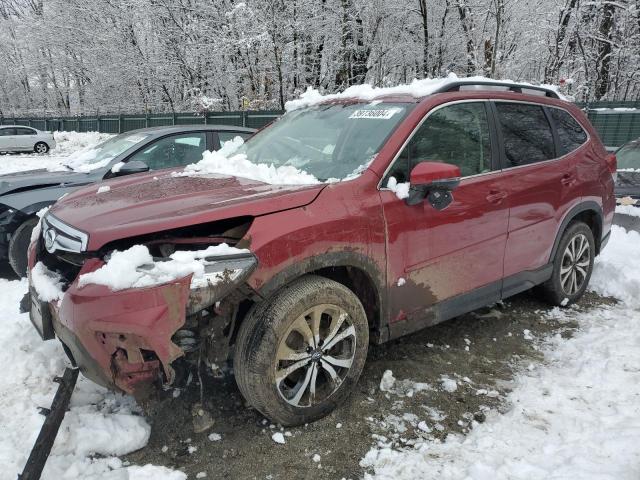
(513, 87)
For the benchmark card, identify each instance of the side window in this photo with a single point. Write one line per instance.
(526, 133)
(5, 132)
(25, 131)
(224, 137)
(457, 134)
(173, 151)
(570, 134)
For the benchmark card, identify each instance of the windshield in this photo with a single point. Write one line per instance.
(330, 142)
(100, 156)
(629, 156)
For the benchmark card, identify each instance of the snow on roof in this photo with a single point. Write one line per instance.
(417, 89)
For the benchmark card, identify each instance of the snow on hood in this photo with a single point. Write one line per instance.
(417, 88)
(226, 162)
(80, 161)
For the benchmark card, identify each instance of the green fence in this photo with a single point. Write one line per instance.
(617, 122)
(616, 125)
(124, 123)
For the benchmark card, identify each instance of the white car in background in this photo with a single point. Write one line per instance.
(19, 138)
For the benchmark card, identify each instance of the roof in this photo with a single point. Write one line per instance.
(419, 89)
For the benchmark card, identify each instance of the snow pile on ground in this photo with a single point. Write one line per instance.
(66, 144)
(226, 162)
(98, 426)
(616, 272)
(367, 92)
(402, 388)
(577, 416)
(135, 268)
(630, 210)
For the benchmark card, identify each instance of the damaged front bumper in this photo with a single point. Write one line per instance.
(124, 340)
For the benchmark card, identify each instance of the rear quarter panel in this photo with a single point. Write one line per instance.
(593, 174)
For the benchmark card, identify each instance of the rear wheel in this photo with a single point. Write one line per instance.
(572, 266)
(41, 147)
(299, 356)
(19, 244)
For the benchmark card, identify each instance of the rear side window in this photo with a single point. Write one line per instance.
(457, 134)
(25, 131)
(526, 133)
(570, 134)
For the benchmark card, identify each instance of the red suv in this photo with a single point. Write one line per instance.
(417, 210)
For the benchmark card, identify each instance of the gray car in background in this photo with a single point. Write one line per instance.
(628, 178)
(23, 194)
(19, 138)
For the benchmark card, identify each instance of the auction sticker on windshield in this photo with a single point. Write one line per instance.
(383, 114)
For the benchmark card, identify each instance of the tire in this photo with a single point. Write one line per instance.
(560, 290)
(19, 244)
(271, 332)
(41, 148)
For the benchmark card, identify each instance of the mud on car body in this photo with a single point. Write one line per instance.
(505, 190)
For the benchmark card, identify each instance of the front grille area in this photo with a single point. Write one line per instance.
(60, 237)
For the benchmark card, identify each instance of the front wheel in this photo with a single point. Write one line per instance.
(298, 356)
(41, 148)
(19, 244)
(572, 266)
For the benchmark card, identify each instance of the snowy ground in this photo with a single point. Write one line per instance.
(576, 415)
(99, 426)
(66, 144)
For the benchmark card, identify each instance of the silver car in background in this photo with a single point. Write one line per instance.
(19, 138)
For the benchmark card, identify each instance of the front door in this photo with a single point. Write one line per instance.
(7, 138)
(437, 258)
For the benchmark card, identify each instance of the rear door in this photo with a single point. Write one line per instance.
(226, 136)
(436, 256)
(26, 138)
(541, 185)
(173, 150)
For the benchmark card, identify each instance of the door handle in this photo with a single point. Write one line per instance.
(567, 179)
(496, 196)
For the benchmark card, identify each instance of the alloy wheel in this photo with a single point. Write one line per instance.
(41, 148)
(315, 355)
(576, 262)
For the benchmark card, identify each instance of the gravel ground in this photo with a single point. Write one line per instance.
(480, 351)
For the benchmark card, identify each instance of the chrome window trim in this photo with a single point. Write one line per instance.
(380, 187)
(49, 220)
(413, 132)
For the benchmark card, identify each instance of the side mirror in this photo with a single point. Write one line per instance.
(435, 181)
(134, 166)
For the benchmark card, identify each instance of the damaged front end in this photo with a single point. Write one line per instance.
(130, 339)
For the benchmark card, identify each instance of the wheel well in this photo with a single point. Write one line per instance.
(353, 278)
(362, 285)
(594, 222)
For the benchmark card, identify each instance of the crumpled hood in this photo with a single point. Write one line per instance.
(157, 201)
(32, 179)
